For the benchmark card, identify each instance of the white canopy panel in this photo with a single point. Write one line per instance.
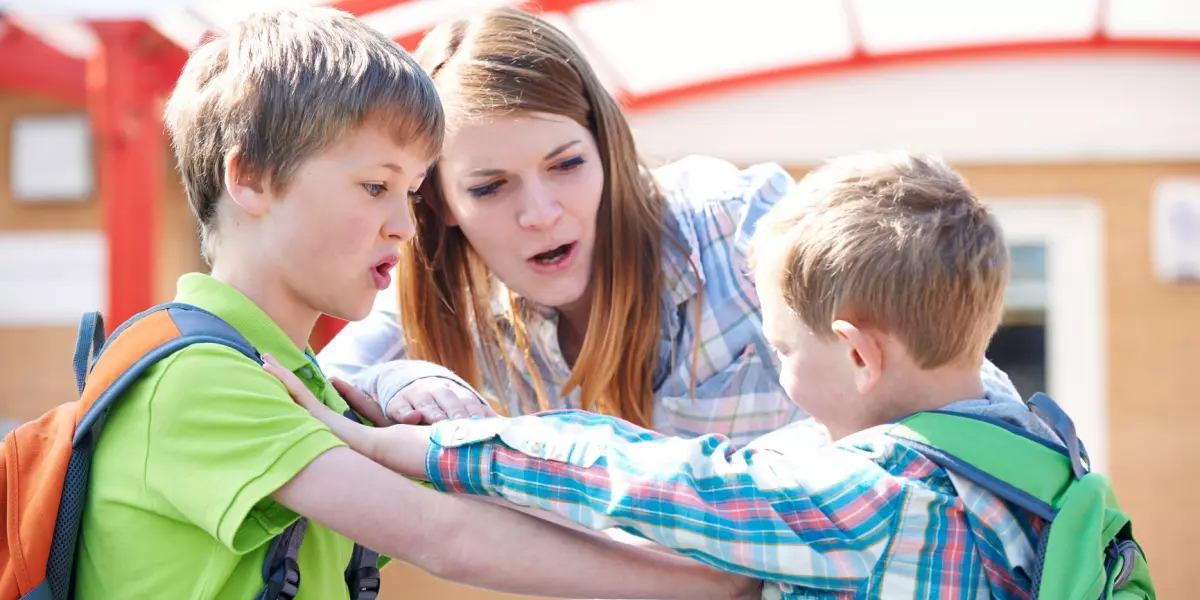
(643, 47)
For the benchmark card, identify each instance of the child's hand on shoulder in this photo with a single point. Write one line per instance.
(349, 431)
(296, 389)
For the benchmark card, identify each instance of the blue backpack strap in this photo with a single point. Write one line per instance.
(195, 326)
(1048, 410)
(87, 344)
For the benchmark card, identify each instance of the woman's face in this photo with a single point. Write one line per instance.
(525, 189)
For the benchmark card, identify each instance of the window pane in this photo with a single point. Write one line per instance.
(1019, 347)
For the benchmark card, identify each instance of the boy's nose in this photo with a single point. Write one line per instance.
(401, 227)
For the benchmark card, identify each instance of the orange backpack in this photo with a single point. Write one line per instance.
(46, 461)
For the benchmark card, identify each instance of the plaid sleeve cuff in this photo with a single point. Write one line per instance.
(459, 459)
(491, 456)
(459, 469)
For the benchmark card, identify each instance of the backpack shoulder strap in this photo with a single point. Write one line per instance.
(281, 567)
(87, 346)
(104, 369)
(362, 574)
(1014, 465)
(139, 343)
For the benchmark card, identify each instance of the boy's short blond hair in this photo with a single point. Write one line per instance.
(282, 86)
(895, 241)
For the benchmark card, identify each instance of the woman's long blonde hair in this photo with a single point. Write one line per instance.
(500, 62)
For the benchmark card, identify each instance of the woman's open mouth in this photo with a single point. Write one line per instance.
(555, 259)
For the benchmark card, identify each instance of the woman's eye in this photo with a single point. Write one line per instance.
(486, 189)
(375, 190)
(570, 163)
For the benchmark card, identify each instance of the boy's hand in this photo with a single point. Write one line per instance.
(300, 394)
(429, 400)
(356, 435)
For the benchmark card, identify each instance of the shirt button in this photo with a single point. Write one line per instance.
(306, 372)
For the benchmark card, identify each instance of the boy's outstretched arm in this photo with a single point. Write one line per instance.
(821, 520)
(483, 544)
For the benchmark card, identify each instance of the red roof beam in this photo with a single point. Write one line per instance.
(364, 7)
(28, 64)
(562, 6)
(746, 81)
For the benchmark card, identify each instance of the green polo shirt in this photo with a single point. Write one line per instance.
(179, 501)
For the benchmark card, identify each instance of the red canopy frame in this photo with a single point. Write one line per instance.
(28, 64)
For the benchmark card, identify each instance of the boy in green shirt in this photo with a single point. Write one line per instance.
(302, 137)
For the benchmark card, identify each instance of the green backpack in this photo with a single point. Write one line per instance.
(1087, 551)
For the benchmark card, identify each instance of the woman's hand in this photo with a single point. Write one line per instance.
(361, 403)
(431, 399)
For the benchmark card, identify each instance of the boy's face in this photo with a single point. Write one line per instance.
(816, 373)
(333, 235)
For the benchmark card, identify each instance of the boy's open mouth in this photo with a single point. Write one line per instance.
(381, 273)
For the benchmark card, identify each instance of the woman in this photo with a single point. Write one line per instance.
(552, 269)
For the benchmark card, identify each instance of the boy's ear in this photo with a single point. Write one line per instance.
(246, 191)
(865, 353)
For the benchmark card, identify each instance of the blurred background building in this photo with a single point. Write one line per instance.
(1078, 120)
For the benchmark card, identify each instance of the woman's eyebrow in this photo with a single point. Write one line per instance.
(560, 149)
(549, 155)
